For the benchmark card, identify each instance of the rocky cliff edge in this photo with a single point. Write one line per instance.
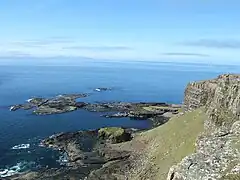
(217, 154)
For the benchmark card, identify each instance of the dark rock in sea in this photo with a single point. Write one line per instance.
(15, 107)
(73, 96)
(80, 104)
(108, 107)
(26, 106)
(158, 113)
(136, 111)
(67, 103)
(116, 115)
(59, 104)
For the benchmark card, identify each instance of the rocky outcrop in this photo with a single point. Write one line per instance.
(220, 96)
(217, 153)
(91, 155)
(56, 105)
(89, 147)
(157, 112)
(114, 134)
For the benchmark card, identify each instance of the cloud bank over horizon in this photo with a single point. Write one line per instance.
(185, 54)
(215, 43)
(70, 48)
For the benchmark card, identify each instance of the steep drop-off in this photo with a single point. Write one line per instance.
(217, 154)
(220, 96)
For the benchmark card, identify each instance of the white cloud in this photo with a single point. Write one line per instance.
(61, 46)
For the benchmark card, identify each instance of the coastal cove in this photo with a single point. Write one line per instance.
(144, 82)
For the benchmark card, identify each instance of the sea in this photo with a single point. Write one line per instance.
(130, 81)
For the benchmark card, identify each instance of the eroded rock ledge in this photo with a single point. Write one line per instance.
(217, 153)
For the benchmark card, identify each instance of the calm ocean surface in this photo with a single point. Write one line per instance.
(131, 82)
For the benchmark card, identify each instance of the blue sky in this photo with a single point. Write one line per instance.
(162, 30)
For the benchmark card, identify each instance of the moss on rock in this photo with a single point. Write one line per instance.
(114, 134)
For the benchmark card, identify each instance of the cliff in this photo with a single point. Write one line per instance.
(217, 154)
(220, 96)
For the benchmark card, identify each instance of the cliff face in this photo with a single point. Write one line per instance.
(220, 96)
(217, 153)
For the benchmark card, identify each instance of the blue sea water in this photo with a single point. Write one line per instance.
(131, 82)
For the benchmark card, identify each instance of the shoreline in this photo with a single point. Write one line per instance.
(85, 160)
(198, 142)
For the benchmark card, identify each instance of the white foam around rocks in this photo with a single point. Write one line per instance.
(97, 89)
(21, 146)
(12, 170)
(29, 100)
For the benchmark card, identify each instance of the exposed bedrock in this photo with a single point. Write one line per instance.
(217, 153)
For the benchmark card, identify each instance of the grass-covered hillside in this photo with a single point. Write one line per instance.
(168, 144)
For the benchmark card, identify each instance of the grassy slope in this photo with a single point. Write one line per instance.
(169, 144)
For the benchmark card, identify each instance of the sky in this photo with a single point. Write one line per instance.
(148, 30)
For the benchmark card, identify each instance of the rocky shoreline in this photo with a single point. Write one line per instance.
(157, 112)
(200, 141)
(94, 153)
(91, 155)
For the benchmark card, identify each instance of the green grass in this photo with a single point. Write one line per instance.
(170, 143)
(111, 131)
(153, 108)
